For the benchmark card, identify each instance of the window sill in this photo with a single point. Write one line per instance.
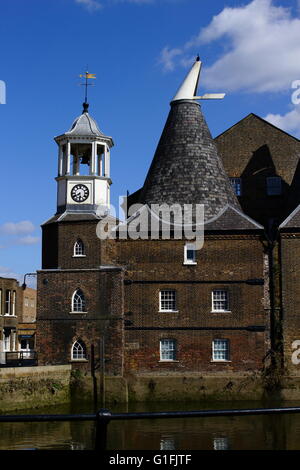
(79, 360)
(186, 263)
(78, 313)
(221, 311)
(220, 361)
(9, 315)
(168, 311)
(168, 360)
(79, 256)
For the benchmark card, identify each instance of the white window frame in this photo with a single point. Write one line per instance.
(27, 350)
(76, 303)
(236, 184)
(213, 300)
(14, 340)
(80, 350)
(274, 186)
(78, 249)
(164, 350)
(216, 350)
(6, 342)
(189, 247)
(13, 303)
(163, 310)
(7, 310)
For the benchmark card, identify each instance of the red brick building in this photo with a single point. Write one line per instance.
(17, 323)
(155, 308)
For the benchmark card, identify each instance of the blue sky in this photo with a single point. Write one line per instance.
(140, 51)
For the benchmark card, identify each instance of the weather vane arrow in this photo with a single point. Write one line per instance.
(87, 76)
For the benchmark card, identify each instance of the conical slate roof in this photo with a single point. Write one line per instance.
(186, 168)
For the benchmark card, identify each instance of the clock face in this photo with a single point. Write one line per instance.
(79, 193)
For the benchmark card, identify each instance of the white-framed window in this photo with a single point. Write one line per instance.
(78, 301)
(7, 302)
(13, 303)
(6, 344)
(274, 186)
(236, 184)
(220, 300)
(220, 350)
(78, 350)
(78, 248)
(189, 253)
(167, 349)
(167, 300)
(26, 346)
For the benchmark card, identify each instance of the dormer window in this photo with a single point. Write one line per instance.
(189, 253)
(79, 248)
(274, 186)
(236, 184)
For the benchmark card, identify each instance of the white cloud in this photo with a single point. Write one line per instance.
(262, 52)
(93, 5)
(28, 240)
(18, 228)
(8, 272)
(90, 5)
(289, 122)
(166, 58)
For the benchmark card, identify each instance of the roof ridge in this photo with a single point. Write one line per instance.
(261, 119)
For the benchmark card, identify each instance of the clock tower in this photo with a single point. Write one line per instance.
(83, 167)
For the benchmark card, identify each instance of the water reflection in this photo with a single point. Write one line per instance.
(235, 433)
(167, 443)
(221, 443)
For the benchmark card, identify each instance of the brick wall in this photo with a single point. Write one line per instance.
(59, 240)
(290, 266)
(253, 149)
(58, 329)
(225, 262)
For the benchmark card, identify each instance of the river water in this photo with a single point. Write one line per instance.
(280, 432)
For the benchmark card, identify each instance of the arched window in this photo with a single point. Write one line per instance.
(78, 301)
(78, 350)
(79, 248)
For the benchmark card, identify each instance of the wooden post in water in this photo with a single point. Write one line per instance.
(102, 421)
(102, 370)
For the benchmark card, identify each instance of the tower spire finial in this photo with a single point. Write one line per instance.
(86, 76)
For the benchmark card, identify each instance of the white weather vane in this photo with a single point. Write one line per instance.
(188, 89)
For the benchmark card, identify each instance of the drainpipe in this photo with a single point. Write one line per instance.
(275, 309)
